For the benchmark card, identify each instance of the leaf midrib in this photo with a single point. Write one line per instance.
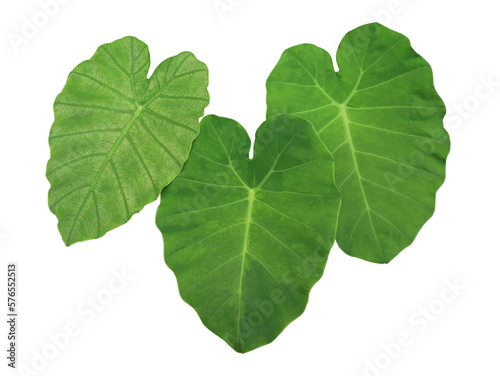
(110, 154)
(248, 221)
(358, 173)
(248, 218)
(342, 107)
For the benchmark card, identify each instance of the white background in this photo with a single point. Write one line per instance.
(357, 306)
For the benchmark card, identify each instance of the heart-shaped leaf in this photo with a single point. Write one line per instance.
(381, 119)
(248, 238)
(119, 137)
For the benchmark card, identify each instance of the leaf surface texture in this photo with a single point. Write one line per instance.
(248, 238)
(382, 120)
(118, 137)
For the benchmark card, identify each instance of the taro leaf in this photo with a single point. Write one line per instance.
(118, 137)
(248, 238)
(381, 119)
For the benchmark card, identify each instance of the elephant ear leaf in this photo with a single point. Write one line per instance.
(247, 239)
(118, 137)
(382, 121)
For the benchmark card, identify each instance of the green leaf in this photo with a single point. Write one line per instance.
(382, 120)
(248, 238)
(119, 137)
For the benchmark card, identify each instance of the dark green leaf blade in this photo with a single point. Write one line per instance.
(247, 239)
(119, 138)
(382, 120)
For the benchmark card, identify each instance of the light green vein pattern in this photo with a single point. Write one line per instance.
(382, 121)
(247, 239)
(118, 138)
